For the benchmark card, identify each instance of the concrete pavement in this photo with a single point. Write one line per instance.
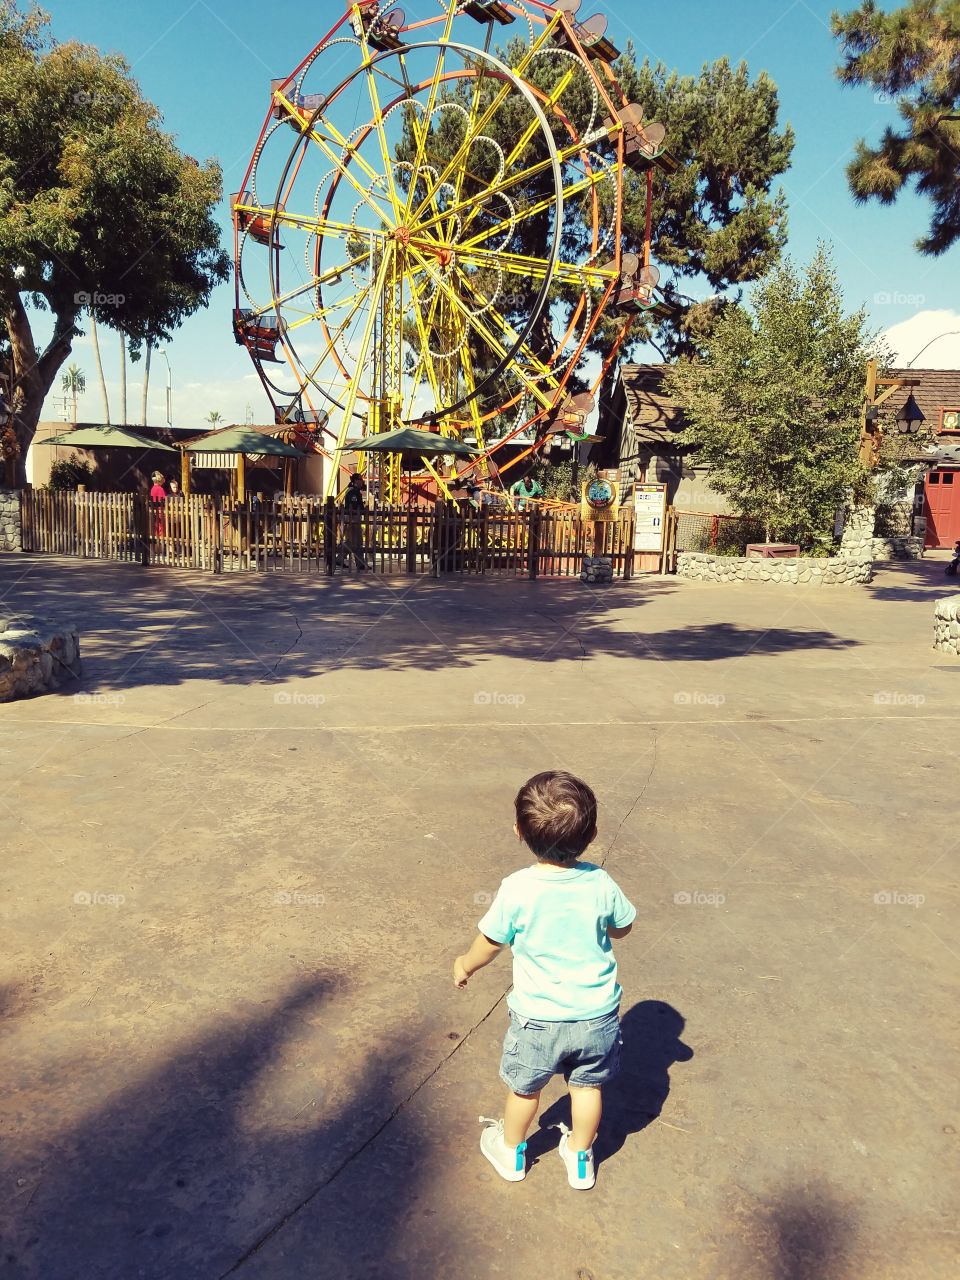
(243, 852)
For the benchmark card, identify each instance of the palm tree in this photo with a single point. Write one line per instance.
(74, 384)
(214, 416)
(123, 380)
(146, 384)
(96, 352)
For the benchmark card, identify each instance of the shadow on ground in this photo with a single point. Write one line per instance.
(157, 627)
(651, 1033)
(179, 1176)
(913, 580)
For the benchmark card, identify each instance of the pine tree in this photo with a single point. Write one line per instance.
(912, 57)
(775, 403)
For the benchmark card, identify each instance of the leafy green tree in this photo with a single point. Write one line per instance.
(717, 220)
(99, 210)
(911, 56)
(775, 402)
(214, 417)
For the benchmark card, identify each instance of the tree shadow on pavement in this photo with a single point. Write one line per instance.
(152, 627)
(798, 1233)
(651, 1033)
(181, 1176)
(719, 640)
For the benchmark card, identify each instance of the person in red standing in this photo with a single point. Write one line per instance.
(158, 494)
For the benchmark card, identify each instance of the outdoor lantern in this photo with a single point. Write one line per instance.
(909, 417)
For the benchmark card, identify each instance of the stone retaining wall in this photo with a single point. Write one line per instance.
(10, 520)
(902, 546)
(805, 570)
(946, 626)
(36, 657)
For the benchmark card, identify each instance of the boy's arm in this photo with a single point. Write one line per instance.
(619, 933)
(482, 951)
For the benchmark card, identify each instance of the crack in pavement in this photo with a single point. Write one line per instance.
(367, 1142)
(640, 795)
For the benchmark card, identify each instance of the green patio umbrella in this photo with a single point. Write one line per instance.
(243, 440)
(408, 440)
(412, 445)
(107, 438)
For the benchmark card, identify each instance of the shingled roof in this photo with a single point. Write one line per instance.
(938, 389)
(655, 416)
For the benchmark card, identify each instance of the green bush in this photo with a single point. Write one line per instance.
(68, 473)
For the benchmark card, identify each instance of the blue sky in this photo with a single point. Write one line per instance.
(207, 65)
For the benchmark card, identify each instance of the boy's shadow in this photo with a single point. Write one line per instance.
(651, 1045)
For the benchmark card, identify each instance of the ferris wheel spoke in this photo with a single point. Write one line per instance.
(377, 110)
(492, 341)
(435, 83)
(424, 356)
(472, 206)
(386, 263)
(331, 274)
(337, 334)
(569, 189)
(460, 155)
(542, 370)
(325, 226)
(311, 131)
(474, 108)
(425, 363)
(536, 268)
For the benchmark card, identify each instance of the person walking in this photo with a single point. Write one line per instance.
(559, 917)
(354, 506)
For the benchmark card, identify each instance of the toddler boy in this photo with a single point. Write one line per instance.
(558, 917)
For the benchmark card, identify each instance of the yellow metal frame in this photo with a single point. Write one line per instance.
(413, 279)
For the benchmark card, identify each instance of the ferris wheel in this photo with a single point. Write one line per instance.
(430, 229)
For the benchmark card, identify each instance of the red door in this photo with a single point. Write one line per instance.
(941, 506)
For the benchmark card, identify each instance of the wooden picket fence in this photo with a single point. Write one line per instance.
(297, 535)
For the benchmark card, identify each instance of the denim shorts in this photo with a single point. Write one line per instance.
(584, 1053)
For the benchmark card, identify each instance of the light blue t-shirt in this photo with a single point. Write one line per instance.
(556, 922)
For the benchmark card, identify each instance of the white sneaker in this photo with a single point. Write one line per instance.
(580, 1171)
(509, 1162)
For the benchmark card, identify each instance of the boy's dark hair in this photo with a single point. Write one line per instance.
(556, 815)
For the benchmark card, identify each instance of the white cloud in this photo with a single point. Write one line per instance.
(909, 337)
